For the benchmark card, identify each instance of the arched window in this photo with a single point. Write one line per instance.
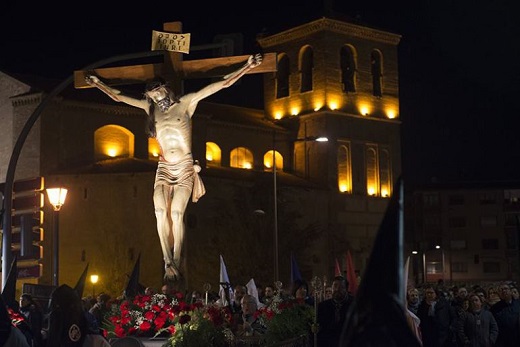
(241, 158)
(282, 76)
(306, 67)
(348, 68)
(269, 158)
(385, 177)
(154, 149)
(344, 169)
(113, 141)
(213, 154)
(376, 68)
(372, 171)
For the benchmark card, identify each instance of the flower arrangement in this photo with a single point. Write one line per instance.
(186, 325)
(161, 315)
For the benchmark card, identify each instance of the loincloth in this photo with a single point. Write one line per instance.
(182, 174)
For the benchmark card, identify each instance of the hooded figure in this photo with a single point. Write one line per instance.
(67, 322)
(377, 316)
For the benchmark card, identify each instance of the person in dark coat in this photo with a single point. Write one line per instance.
(33, 314)
(438, 320)
(477, 327)
(507, 315)
(332, 313)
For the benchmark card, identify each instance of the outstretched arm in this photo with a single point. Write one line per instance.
(116, 94)
(228, 80)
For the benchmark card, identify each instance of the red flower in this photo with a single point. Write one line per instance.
(125, 320)
(145, 326)
(171, 329)
(149, 315)
(159, 322)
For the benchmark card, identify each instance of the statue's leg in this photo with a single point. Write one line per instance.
(180, 200)
(161, 198)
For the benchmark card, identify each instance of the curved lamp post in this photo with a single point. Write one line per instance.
(57, 199)
(7, 254)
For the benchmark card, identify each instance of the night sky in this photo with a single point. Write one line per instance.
(459, 64)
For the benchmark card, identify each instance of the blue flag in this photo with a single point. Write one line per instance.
(295, 271)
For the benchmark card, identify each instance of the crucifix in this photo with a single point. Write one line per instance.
(173, 69)
(169, 119)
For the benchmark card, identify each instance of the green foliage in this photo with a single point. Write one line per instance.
(199, 331)
(286, 320)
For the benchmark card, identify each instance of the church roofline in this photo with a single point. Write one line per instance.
(327, 24)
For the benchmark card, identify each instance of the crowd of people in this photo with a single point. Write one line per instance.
(463, 316)
(459, 316)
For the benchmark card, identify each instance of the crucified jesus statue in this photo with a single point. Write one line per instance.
(176, 179)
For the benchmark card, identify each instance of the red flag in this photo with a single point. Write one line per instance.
(337, 269)
(351, 275)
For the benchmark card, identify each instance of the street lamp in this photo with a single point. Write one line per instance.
(443, 262)
(275, 194)
(57, 199)
(94, 279)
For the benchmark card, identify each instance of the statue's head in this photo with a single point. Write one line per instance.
(160, 94)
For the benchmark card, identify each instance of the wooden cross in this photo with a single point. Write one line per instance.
(174, 69)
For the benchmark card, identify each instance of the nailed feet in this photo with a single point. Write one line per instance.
(171, 272)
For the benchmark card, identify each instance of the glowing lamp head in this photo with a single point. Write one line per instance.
(57, 197)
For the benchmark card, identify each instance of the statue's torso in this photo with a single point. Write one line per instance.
(173, 132)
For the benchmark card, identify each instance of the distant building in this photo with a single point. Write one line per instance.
(334, 79)
(475, 228)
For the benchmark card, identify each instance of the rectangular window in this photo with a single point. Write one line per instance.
(454, 200)
(432, 220)
(491, 267)
(510, 219)
(488, 221)
(511, 239)
(512, 196)
(431, 199)
(458, 244)
(434, 267)
(457, 222)
(488, 199)
(459, 267)
(489, 243)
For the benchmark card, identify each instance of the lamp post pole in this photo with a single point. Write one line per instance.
(94, 279)
(55, 248)
(275, 211)
(57, 199)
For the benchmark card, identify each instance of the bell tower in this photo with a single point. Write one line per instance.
(338, 80)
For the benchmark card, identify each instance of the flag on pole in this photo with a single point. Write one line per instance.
(225, 292)
(253, 291)
(351, 275)
(337, 269)
(295, 271)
